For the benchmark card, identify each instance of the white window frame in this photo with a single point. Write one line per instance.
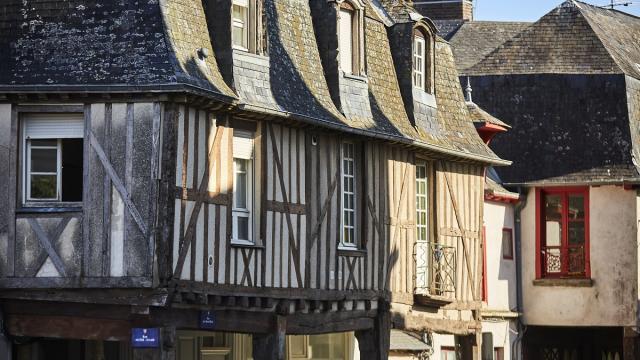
(353, 228)
(241, 24)
(419, 61)
(249, 210)
(28, 173)
(425, 196)
(53, 132)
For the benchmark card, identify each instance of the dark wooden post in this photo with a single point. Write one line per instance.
(374, 343)
(5, 343)
(630, 344)
(271, 346)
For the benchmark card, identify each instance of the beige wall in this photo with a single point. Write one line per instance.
(501, 273)
(612, 300)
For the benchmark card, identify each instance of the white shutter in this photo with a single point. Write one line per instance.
(53, 126)
(242, 144)
(346, 41)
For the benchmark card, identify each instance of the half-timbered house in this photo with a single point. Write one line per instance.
(226, 179)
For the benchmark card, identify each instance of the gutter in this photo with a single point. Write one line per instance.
(622, 181)
(376, 134)
(517, 343)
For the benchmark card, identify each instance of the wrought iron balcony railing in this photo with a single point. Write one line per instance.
(435, 269)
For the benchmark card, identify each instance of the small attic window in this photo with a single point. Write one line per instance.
(422, 73)
(350, 35)
(247, 26)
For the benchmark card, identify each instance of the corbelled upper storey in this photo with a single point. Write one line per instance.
(283, 61)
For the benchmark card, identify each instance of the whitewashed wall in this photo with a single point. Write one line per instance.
(612, 300)
(501, 273)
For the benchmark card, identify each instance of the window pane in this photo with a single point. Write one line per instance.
(553, 216)
(44, 187)
(507, 244)
(43, 142)
(240, 184)
(239, 28)
(576, 233)
(243, 228)
(576, 206)
(72, 153)
(44, 160)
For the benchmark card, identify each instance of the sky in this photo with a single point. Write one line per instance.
(532, 10)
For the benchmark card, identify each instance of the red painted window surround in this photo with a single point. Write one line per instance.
(563, 193)
(485, 289)
(507, 256)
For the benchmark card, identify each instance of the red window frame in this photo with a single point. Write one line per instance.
(505, 256)
(564, 192)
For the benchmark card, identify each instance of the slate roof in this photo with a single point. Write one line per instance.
(115, 43)
(156, 45)
(402, 341)
(480, 116)
(448, 28)
(476, 39)
(574, 38)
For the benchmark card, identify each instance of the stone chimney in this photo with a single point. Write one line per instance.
(445, 9)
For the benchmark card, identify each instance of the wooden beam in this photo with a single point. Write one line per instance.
(290, 208)
(46, 243)
(68, 327)
(374, 342)
(418, 322)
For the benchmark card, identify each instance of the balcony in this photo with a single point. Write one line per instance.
(435, 270)
(563, 261)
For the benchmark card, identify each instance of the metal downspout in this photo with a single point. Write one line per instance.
(516, 347)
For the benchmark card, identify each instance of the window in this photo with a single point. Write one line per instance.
(507, 244)
(562, 232)
(348, 196)
(422, 198)
(240, 24)
(346, 40)
(418, 60)
(243, 188)
(350, 38)
(52, 148)
(447, 353)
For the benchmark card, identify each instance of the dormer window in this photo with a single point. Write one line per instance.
(240, 24)
(422, 64)
(247, 26)
(350, 38)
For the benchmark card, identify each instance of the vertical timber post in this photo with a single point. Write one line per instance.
(5, 343)
(374, 343)
(630, 344)
(271, 346)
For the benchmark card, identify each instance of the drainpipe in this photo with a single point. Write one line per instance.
(516, 347)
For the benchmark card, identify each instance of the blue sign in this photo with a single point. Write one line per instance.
(207, 320)
(145, 337)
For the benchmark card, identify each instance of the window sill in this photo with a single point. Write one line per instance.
(362, 78)
(563, 282)
(246, 245)
(70, 208)
(353, 252)
(433, 300)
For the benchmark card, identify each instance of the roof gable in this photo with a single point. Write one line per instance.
(561, 42)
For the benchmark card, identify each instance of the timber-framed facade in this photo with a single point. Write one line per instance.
(259, 183)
